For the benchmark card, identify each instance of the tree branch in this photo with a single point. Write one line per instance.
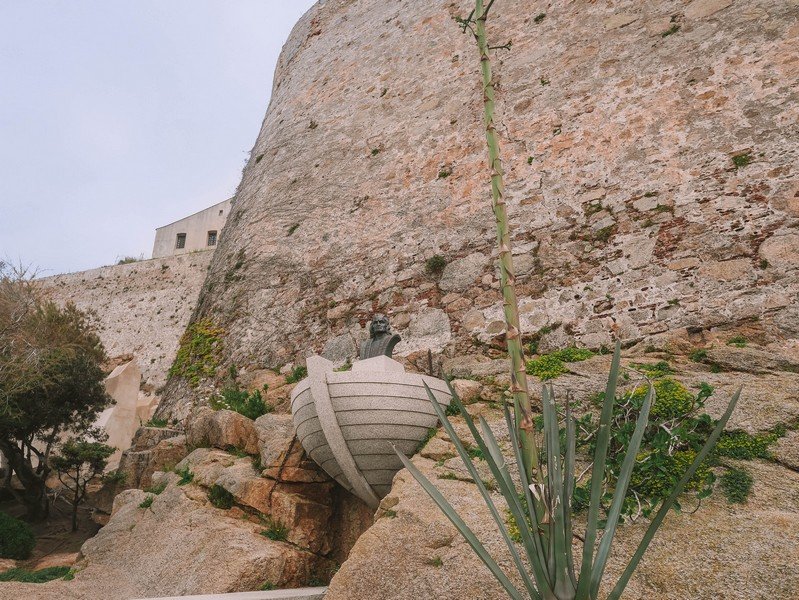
(503, 46)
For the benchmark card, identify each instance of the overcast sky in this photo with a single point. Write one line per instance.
(119, 117)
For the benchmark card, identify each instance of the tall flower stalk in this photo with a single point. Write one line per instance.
(518, 376)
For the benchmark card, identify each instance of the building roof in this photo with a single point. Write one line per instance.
(194, 213)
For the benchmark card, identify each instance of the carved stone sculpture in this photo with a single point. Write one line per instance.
(381, 341)
(351, 422)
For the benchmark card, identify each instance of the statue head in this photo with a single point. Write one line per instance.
(379, 326)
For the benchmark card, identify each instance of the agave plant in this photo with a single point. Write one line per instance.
(542, 508)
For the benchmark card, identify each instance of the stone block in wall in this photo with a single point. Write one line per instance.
(462, 272)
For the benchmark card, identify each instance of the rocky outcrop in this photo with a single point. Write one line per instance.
(286, 524)
(650, 154)
(282, 485)
(721, 551)
(178, 545)
(153, 449)
(221, 429)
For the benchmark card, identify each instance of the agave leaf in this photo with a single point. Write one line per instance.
(671, 500)
(548, 519)
(467, 461)
(598, 475)
(568, 488)
(462, 527)
(539, 562)
(496, 453)
(557, 507)
(506, 487)
(504, 482)
(620, 493)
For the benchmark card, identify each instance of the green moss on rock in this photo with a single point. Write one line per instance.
(198, 354)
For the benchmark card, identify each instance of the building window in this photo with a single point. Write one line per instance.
(180, 242)
(220, 212)
(212, 238)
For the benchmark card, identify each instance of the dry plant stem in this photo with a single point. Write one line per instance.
(519, 389)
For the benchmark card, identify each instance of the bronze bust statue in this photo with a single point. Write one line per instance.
(381, 341)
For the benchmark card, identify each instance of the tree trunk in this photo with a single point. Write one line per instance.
(33, 495)
(75, 513)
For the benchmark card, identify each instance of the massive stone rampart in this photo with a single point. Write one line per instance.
(650, 155)
(141, 309)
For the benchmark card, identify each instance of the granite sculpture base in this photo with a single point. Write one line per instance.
(350, 421)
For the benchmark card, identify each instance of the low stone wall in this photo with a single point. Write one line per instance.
(141, 309)
(316, 593)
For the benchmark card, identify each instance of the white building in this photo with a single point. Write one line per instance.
(199, 231)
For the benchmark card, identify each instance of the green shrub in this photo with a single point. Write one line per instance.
(452, 410)
(655, 371)
(546, 367)
(147, 502)
(16, 538)
(475, 453)
(660, 477)
(237, 452)
(741, 160)
(297, 373)
(677, 430)
(155, 422)
(738, 341)
(251, 405)
(705, 391)
(736, 483)
(347, 366)
(197, 356)
(743, 446)
(549, 366)
(435, 265)
(573, 354)
(186, 476)
(40, 576)
(275, 530)
(115, 477)
(268, 586)
(157, 489)
(220, 497)
(672, 399)
(698, 355)
(780, 429)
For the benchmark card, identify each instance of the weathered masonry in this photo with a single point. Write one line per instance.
(199, 231)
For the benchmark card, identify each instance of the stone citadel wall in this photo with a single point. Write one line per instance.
(141, 309)
(620, 125)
